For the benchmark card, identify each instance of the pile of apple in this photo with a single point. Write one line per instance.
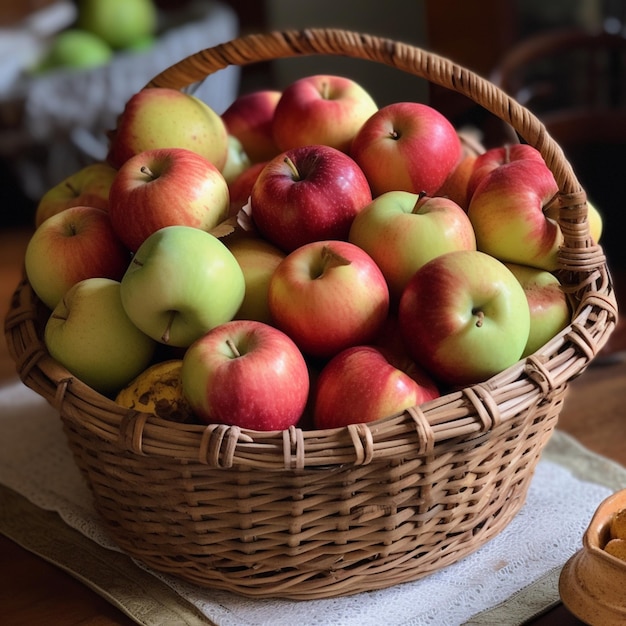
(310, 258)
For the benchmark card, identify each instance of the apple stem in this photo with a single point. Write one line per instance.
(480, 318)
(148, 172)
(231, 344)
(507, 153)
(330, 259)
(420, 196)
(165, 338)
(293, 168)
(72, 189)
(325, 90)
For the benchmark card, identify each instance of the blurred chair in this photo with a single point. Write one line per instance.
(575, 82)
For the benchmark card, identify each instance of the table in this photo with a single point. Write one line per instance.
(35, 591)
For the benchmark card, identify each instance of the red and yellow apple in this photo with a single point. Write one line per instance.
(321, 109)
(407, 146)
(464, 317)
(160, 117)
(361, 384)
(327, 296)
(402, 231)
(77, 243)
(248, 374)
(166, 187)
(89, 186)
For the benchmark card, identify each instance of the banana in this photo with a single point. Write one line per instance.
(158, 390)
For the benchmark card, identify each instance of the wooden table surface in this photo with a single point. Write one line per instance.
(34, 591)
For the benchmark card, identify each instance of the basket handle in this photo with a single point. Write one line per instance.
(408, 58)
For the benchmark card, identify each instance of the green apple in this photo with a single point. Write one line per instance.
(121, 23)
(76, 48)
(402, 231)
(89, 333)
(159, 117)
(464, 317)
(182, 282)
(549, 308)
(258, 259)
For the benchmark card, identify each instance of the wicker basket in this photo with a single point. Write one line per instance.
(311, 514)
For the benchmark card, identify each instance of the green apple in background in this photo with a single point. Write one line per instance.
(121, 23)
(182, 282)
(90, 334)
(549, 309)
(75, 48)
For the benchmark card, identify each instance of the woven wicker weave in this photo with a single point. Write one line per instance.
(310, 514)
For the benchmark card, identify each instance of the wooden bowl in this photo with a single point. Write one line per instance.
(592, 581)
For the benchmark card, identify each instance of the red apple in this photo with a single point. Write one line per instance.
(88, 186)
(327, 296)
(464, 317)
(160, 117)
(240, 189)
(321, 109)
(402, 231)
(248, 374)
(494, 157)
(407, 146)
(166, 187)
(507, 213)
(456, 185)
(549, 309)
(249, 118)
(360, 384)
(308, 194)
(73, 245)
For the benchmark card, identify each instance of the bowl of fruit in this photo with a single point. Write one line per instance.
(311, 346)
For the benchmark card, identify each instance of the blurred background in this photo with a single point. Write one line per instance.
(54, 112)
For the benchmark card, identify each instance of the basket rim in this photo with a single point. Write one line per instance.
(469, 412)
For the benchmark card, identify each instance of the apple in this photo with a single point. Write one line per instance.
(248, 374)
(321, 109)
(182, 282)
(308, 194)
(494, 157)
(72, 245)
(549, 309)
(164, 187)
(507, 213)
(327, 296)
(249, 118)
(121, 23)
(455, 186)
(402, 231)
(75, 48)
(360, 384)
(240, 188)
(257, 259)
(407, 146)
(89, 333)
(89, 186)
(236, 160)
(594, 217)
(464, 317)
(159, 117)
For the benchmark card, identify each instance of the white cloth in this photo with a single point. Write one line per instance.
(35, 462)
